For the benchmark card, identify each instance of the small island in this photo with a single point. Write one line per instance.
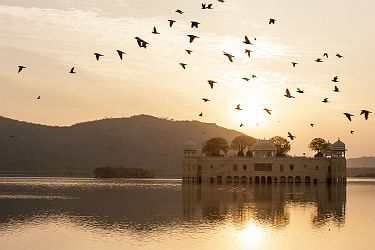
(121, 172)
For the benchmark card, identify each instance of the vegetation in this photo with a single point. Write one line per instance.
(214, 146)
(369, 175)
(112, 172)
(282, 145)
(241, 142)
(318, 145)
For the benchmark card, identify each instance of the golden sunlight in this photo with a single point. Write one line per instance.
(251, 235)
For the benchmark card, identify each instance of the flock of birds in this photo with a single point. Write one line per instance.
(194, 24)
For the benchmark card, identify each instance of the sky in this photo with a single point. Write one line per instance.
(49, 37)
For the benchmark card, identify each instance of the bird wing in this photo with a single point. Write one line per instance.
(287, 92)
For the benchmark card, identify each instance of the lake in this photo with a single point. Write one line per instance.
(85, 213)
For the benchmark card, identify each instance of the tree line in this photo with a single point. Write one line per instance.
(120, 172)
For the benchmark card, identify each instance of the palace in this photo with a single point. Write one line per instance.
(264, 167)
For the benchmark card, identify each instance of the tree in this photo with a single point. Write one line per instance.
(318, 145)
(241, 142)
(282, 145)
(215, 145)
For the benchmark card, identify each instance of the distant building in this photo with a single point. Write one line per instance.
(264, 167)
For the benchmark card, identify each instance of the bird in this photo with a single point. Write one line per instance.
(336, 89)
(209, 6)
(72, 71)
(97, 55)
(300, 91)
(349, 116)
(171, 22)
(203, 6)
(288, 94)
(291, 136)
(246, 79)
(205, 99)
(189, 51)
(312, 124)
(221, 1)
(241, 125)
(154, 31)
(247, 51)
(201, 114)
(253, 76)
(230, 57)
(351, 131)
(318, 60)
(267, 110)
(238, 107)
(194, 24)
(179, 11)
(335, 79)
(325, 100)
(247, 41)
(20, 68)
(325, 55)
(141, 43)
(294, 64)
(211, 83)
(38, 98)
(183, 65)
(366, 113)
(192, 37)
(272, 21)
(120, 53)
(338, 55)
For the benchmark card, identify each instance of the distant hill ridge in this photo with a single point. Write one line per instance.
(140, 141)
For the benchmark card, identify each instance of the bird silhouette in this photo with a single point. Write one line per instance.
(189, 51)
(120, 53)
(38, 98)
(335, 79)
(209, 6)
(325, 55)
(171, 22)
(192, 37)
(183, 65)
(238, 107)
(72, 71)
(336, 89)
(211, 83)
(230, 57)
(20, 68)
(247, 51)
(253, 76)
(349, 116)
(325, 100)
(221, 1)
(338, 55)
(267, 110)
(288, 95)
(366, 113)
(272, 21)
(300, 91)
(141, 43)
(97, 56)
(201, 114)
(203, 6)
(154, 31)
(247, 41)
(294, 64)
(246, 79)
(318, 60)
(205, 99)
(194, 24)
(291, 136)
(351, 131)
(179, 11)
(312, 124)
(241, 125)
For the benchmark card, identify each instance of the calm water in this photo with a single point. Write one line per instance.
(73, 213)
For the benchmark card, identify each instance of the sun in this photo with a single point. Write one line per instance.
(252, 114)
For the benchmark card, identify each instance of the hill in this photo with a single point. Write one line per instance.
(137, 142)
(362, 162)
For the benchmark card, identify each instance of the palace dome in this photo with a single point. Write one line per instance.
(339, 145)
(190, 146)
(263, 145)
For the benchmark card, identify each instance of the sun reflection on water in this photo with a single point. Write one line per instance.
(251, 235)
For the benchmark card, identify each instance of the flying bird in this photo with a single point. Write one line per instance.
(325, 100)
(247, 41)
(253, 76)
(154, 31)
(312, 124)
(288, 95)
(300, 91)
(20, 68)
(179, 11)
(247, 51)
(194, 24)
(246, 79)
(351, 131)
(294, 64)
(203, 6)
(291, 136)
(97, 56)
(230, 57)
(183, 65)
(209, 6)
(38, 98)
(335, 79)
(267, 110)
(171, 22)
(201, 114)
(192, 37)
(221, 1)
(325, 55)
(72, 71)
(238, 107)
(338, 55)
(349, 116)
(241, 125)
(318, 60)
(211, 83)
(272, 21)
(141, 43)
(120, 53)
(336, 89)
(366, 113)
(205, 99)
(189, 51)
